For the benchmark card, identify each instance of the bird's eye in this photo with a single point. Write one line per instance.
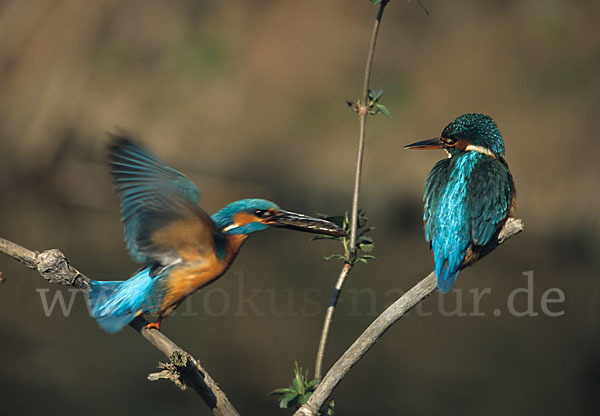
(449, 140)
(261, 213)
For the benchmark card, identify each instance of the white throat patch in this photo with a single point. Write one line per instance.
(480, 149)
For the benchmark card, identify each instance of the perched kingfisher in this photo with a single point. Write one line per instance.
(181, 247)
(468, 196)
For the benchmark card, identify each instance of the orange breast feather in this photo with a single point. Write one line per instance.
(186, 279)
(197, 271)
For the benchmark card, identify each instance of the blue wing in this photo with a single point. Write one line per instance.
(490, 189)
(467, 198)
(155, 197)
(445, 220)
(434, 188)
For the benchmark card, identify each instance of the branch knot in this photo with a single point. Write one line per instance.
(54, 267)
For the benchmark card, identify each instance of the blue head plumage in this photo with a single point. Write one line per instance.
(244, 216)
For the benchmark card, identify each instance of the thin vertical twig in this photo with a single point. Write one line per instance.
(363, 112)
(329, 318)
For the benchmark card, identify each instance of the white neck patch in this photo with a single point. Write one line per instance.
(230, 227)
(480, 149)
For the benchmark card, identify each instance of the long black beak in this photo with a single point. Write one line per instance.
(301, 222)
(435, 143)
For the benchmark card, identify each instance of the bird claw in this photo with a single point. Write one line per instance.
(153, 325)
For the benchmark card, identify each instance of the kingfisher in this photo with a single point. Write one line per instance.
(181, 247)
(468, 196)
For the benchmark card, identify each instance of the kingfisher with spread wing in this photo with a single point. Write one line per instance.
(182, 248)
(468, 196)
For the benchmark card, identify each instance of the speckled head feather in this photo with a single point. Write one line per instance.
(477, 129)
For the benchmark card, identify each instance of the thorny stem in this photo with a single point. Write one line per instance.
(363, 112)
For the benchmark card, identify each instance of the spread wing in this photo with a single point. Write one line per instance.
(162, 222)
(434, 188)
(490, 189)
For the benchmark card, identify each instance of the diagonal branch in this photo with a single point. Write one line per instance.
(54, 267)
(382, 323)
(363, 112)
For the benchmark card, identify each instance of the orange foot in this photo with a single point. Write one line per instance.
(155, 325)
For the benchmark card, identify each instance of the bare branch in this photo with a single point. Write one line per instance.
(54, 267)
(363, 112)
(25, 256)
(382, 323)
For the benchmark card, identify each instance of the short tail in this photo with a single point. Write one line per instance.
(115, 304)
(445, 276)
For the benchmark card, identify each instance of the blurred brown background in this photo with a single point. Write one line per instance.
(247, 98)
